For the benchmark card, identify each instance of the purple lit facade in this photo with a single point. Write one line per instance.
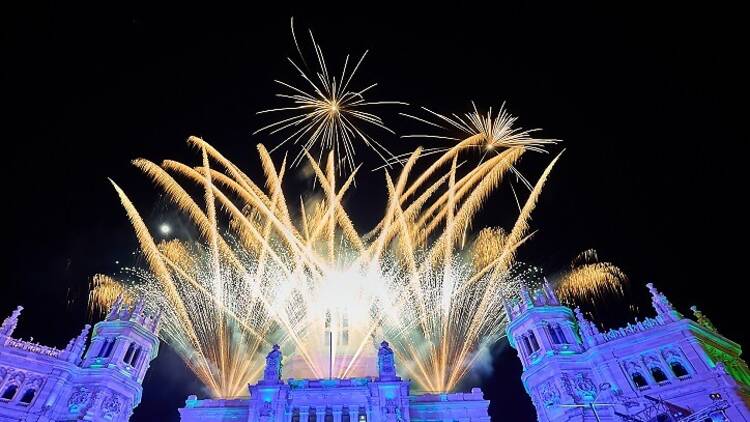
(661, 369)
(385, 398)
(101, 383)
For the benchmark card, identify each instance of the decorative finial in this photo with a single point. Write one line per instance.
(661, 304)
(78, 344)
(114, 310)
(140, 304)
(10, 323)
(702, 319)
(549, 292)
(526, 297)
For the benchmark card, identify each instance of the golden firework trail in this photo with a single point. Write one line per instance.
(588, 278)
(266, 269)
(326, 112)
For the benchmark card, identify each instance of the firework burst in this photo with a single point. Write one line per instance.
(326, 112)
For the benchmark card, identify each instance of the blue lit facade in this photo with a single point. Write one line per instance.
(101, 383)
(385, 398)
(661, 369)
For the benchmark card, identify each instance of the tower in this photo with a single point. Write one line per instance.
(666, 368)
(545, 334)
(98, 383)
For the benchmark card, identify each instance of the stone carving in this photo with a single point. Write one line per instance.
(549, 394)
(579, 386)
(79, 399)
(111, 406)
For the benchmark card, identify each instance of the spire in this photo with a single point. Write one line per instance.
(114, 311)
(140, 304)
(156, 322)
(587, 328)
(550, 294)
(526, 297)
(702, 319)
(10, 323)
(662, 305)
(77, 345)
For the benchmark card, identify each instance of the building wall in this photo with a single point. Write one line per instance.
(384, 398)
(667, 365)
(102, 384)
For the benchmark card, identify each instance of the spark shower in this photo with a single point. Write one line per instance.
(268, 269)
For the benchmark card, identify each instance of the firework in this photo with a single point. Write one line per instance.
(326, 111)
(588, 278)
(258, 275)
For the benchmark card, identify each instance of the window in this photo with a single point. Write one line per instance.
(295, 415)
(678, 369)
(362, 415)
(658, 374)
(103, 349)
(136, 355)
(534, 343)
(638, 379)
(328, 415)
(111, 345)
(345, 416)
(9, 392)
(129, 353)
(561, 334)
(553, 334)
(28, 396)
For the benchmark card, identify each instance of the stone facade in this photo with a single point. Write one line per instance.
(665, 368)
(98, 383)
(373, 399)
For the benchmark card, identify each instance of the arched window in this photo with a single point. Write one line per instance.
(553, 334)
(136, 355)
(362, 415)
(103, 349)
(561, 334)
(658, 374)
(129, 353)
(28, 396)
(534, 343)
(678, 369)
(295, 415)
(345, 415)
(328, 416)
(638, 379)
(527, 344)
(9, 392)
(110, 346)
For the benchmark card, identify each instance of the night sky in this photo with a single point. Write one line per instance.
(646, 102)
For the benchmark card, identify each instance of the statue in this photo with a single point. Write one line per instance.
(386, 363)
(272, 373)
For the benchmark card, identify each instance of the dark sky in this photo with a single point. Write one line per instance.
(647, 102)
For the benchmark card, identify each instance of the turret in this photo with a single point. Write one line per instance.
(126, 339)
(539, 325)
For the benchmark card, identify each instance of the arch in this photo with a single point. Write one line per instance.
(678, 369)
(28, 396)
(10, 392)
(534, 343)
(136, 356)
(561, 334)
(638, 379)
(345, 415)
(658, 374)
(103, 349)
(129, 353)
(110, 346)
(295, 415)
(551, 329)
(526, 344)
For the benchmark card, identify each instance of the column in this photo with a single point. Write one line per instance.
(320, 414)
(336, 413)
(303, 416)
